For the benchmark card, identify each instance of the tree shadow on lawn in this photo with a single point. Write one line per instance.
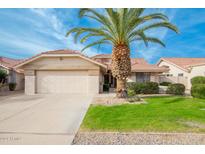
(175, 100)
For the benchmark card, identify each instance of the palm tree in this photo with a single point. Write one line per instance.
(121, 28)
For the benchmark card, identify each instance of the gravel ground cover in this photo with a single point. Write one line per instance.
(116, 138)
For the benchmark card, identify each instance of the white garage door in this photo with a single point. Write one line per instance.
(62, 82)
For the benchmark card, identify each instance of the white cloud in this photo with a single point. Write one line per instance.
(58, 30)
(153, 51)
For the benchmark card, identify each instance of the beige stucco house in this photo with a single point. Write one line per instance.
(182, 70)
(14, 75)
(68, 71)
(141, 71)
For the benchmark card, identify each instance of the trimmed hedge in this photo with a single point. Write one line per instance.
(151, 88)
(135, 86)
(144, 88)
(165, 83)
(198, 80)
(176, 89)
(198, 91)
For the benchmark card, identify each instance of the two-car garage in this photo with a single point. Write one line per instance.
(62, 72)
(61, 82)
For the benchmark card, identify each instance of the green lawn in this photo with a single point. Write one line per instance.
(160, 114)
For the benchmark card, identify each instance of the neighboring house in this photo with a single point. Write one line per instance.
(182, 70)
(68, 71)
(14, 75)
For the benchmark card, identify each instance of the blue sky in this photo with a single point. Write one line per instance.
(26, 32)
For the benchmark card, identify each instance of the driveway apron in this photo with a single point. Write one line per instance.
(41, 119)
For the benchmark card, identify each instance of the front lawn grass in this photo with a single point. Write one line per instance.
(160, 114)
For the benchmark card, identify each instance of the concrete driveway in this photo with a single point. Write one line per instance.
(41, 119)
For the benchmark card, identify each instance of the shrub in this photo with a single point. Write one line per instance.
(176, 89)
(136, 86)
(198, 90)
(150, 88)
(139, 88)
(12, 86)
(165, 83)
(131, 85)
(133, 99)
(144, 88)
(3, 75)
(198, 80)
(131, 93)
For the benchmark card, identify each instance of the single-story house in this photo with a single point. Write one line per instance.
(182, 70)
(141, 71)
(68, 71)
(14, 75)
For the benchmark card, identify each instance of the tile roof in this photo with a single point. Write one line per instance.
(61, 51)
(101, 56)
(138, 64)
(185, 62)
(9, 62)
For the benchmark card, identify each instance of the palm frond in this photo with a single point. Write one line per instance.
(98, 17)
(161, 24)
(155, 16)
(149, 39)
(121, 26)
(138, 35)
(155, 40)
(102, 41)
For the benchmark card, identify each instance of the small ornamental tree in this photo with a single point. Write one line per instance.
(3, 76)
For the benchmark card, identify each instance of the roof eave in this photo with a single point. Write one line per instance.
(162, 59)
(58, 55)
(5, 66)
(149, 70)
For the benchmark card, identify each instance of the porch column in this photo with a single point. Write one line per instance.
(30, 82)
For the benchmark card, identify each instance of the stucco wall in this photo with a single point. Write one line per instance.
(186, 79)
(173, 69)
(30, 82)
(132, 78)
(93, 81)
(15, 77)
(20, 81)
(65, 64)
(196, 71)
(154, 77)
(60, 63)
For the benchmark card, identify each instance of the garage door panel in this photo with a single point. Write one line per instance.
(62, 82)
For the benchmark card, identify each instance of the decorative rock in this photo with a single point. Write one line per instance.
(117, 138)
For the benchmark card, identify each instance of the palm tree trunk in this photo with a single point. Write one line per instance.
(121, 88)
(121, 68)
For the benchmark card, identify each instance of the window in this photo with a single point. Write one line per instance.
(142, 77)
(180, 74)
(169, 74)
